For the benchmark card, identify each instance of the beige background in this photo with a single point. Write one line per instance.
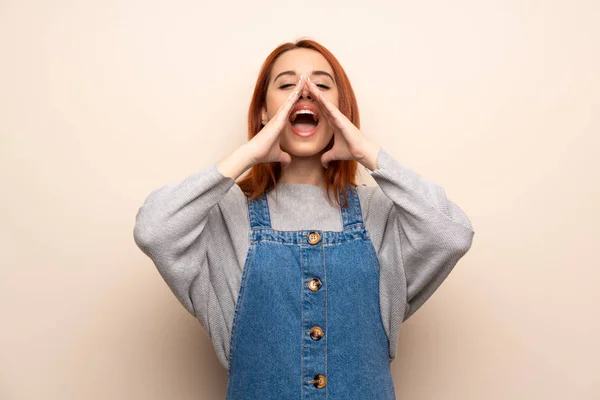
(102, 102)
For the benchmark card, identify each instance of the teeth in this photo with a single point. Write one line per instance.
(304, 112)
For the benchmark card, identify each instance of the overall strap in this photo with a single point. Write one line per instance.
(258, 212)
(351, 215)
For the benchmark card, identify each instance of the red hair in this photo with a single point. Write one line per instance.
(264, 176)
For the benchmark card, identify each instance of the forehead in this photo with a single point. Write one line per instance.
(303, 61)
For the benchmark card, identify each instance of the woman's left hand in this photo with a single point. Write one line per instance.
(349, 142)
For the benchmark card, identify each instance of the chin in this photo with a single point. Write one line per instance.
(301, 151)
(298, 146)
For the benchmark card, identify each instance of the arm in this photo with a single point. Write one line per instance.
(425, 233)
(176, 223)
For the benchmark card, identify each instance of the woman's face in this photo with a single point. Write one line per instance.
(297, 138)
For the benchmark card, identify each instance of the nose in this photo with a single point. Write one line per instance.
(305, 93)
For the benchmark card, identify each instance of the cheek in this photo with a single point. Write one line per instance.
(333, 98)
(274, 102)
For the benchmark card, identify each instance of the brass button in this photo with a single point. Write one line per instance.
(313, 237)
(316, 333)
(319, 381)
(314, 284)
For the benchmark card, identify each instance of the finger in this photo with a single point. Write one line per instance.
(333, 114)
(286, 107)
(325, 112)
(318, 93)
(326, 158)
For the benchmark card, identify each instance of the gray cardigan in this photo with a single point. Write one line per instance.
(196, 233)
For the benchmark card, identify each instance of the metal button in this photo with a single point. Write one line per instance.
(314, 284)
(316, 333)
(313, 237)
(319, 381)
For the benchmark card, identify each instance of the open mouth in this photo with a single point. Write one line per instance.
(304, 120)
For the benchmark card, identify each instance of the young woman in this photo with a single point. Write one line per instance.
(301, 277)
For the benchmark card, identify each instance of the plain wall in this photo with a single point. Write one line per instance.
(102, 102)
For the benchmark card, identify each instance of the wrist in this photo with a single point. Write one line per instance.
(236, 163)
(245, 153)
(369, 160)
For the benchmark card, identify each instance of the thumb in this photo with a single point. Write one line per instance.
(326, 158)
(285, 159)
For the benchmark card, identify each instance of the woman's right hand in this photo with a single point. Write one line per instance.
(264, 146)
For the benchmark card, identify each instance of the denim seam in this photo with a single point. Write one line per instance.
(239, 302)
(326, 325)
(302, 328)
(301, 244)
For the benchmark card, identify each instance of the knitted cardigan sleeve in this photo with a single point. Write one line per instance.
(424, 234)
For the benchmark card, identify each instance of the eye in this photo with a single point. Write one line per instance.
(321, 85)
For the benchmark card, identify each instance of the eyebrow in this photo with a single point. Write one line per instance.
(293, 73)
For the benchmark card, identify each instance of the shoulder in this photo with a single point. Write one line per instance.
(375, 208)
(233, 206)
(373, 200)
(235, 196)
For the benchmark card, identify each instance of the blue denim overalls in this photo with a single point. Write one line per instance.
(307, 323)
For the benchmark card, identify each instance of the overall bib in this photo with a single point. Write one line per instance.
(307, 323)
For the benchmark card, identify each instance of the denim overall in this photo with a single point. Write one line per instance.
(307, 323)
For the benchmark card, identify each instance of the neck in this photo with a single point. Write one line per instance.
(307, 170)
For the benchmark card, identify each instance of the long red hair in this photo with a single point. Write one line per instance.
(263, 177)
